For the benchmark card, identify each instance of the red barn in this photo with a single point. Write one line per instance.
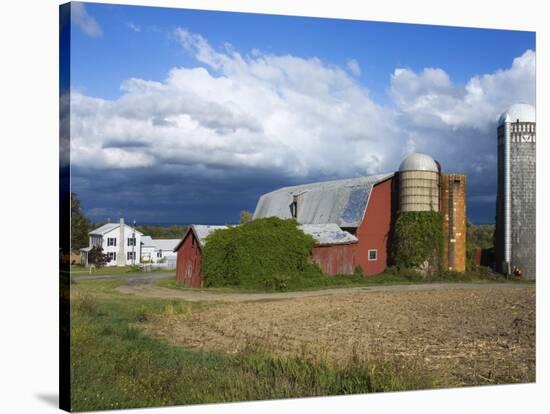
(351, 221)
(362, 207)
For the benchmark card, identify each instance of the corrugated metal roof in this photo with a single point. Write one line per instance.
(342, 202)
(203, 231)
(328, 233)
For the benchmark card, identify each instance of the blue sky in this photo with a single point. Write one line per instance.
(426, 88)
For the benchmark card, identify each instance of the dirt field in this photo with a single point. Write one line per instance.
(476, 335)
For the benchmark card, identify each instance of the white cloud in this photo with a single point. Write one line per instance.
(353, 67)
(84, 21)
(293, 116)
(133, 27)
(430, 98)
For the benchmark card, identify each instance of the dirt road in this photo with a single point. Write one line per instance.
(150, 291)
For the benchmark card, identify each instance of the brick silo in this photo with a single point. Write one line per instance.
(515, 232)
(453, 210)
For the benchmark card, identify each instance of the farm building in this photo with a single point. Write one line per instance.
(121, 242)
(333, 252)
(352, 219)
(124, 245)
(158, 250)
(515, 232)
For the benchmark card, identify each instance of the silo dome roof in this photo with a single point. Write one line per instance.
(418, 162)
(522, 112)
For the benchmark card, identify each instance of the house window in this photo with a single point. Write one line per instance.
(112, 256)
(131, 241)
(111, 241)
(373, 255)
(159, 253)
(130, 255)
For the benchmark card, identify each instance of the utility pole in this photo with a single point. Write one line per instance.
(134, 244)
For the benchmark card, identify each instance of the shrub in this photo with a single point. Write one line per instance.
(418, 240)
(97, 257)
(262, 253)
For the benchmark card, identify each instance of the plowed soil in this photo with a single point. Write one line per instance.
(470, 336)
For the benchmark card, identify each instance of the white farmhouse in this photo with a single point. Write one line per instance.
(158, 250)
(121, 242)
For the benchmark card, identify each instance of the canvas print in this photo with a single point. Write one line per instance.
(260, 207)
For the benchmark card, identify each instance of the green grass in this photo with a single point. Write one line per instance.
(115, 365)
(315, 281)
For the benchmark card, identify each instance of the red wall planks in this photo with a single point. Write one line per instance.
(188, 265)
(335, 259)
(375, 230)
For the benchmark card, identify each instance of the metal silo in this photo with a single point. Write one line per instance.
(418, 183)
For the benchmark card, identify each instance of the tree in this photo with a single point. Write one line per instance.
(97, 257)
(80, 225)
(246, 216)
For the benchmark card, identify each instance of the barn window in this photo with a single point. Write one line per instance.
(294, 209)
(373, 255)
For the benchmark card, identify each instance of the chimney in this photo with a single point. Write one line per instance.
(121, 255)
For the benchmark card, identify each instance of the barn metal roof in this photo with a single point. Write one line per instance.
(202, 231)
(328, 234)
(342, 202)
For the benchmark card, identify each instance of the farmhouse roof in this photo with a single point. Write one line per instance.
(106, 228)
(342, 202)
(165, 244)
(328, 234)
(147, 241)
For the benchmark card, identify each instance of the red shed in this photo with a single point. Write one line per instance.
(189, 258)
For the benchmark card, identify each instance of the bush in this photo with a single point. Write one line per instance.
(418, 240)
(264, 253)
(97, 257)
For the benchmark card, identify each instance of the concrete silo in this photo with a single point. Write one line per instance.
(515, 232)
(418, 183)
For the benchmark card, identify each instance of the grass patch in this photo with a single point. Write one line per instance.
(115, 365)
(316, 281)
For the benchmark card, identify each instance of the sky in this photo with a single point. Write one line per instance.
(185, 116)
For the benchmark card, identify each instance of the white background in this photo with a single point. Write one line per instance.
(29, 215)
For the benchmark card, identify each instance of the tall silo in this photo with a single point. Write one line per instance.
(418, 183)
(515, 233)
